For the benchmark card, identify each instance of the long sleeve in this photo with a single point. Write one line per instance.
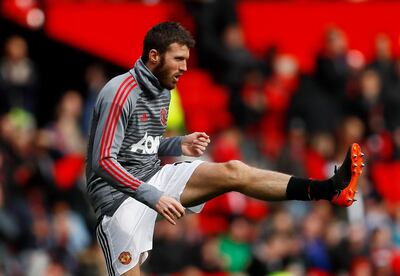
(171, 146)
(113, 111)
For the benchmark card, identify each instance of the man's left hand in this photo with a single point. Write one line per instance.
(195, 144)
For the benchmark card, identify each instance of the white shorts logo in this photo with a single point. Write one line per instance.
(147, 145)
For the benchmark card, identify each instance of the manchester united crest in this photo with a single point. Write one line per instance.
(125, 258)
(163, 116)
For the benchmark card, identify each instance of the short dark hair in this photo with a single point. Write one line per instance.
(160, 36)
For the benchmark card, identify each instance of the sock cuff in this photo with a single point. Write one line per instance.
(298, 189)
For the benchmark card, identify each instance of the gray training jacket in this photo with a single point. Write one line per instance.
(128, 121)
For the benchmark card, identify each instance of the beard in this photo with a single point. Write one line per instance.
(161, 73)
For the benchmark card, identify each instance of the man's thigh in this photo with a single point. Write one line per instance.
(207, 181)
(135, 271)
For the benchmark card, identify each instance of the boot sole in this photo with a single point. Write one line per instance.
(347, 196)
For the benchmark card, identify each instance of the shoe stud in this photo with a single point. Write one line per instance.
(355, 165)
(362, 165)
(362, 154)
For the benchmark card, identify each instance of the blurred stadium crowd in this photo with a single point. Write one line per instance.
(268, 113)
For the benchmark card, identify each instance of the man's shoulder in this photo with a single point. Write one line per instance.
(118, 81)
(118, 84)
(116, 89)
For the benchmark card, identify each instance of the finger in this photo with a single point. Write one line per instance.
(199, 147)
(173, 208)
(168, 216)
(175, 211)
(203, 144)
(203, 134)
(180, 208)
(204, 139)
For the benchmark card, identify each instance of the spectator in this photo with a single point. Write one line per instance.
(212, 18)
(272, 255)
(314, 107)
(315, 249)
(170, 239)
(396, 227)
(293, 155)
(221, 47)
(392, 103)
(18, 76)
(383, 62)
(332, 67)
(253, 99)
(382, 251)
(65, 132)
(337, 249)
(212, 261)
(369, 105)
(95, 78)
(278, 91)
(235, 246)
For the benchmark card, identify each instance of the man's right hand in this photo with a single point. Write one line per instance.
(170, 209)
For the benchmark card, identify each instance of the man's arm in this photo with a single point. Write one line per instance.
(171, 146)
(193, 144)
(113, 111)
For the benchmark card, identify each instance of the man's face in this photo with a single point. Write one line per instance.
(172, 65)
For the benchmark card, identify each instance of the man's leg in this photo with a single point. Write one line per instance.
(212, 179)
(135, 271)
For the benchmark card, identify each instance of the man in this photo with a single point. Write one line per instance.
(126, 185)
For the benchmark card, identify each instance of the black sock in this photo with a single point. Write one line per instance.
(307, 189)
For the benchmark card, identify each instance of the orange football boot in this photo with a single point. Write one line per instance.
(346, 177)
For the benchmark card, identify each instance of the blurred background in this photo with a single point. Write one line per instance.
(282, 85)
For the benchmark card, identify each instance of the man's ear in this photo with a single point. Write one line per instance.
(154, 56)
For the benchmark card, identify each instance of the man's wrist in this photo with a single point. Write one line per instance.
(148, 195)
(171, 146)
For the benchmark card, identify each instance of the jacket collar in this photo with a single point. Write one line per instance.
(146, 80)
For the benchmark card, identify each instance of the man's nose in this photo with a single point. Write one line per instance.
(183, 66)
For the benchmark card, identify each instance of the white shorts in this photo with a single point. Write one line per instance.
(126, 237)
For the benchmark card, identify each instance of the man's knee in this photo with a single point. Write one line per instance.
(236, 173)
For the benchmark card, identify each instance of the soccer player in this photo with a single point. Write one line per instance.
(128, 187)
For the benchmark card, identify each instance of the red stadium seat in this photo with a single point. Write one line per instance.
(386, 177)
(204, 102)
